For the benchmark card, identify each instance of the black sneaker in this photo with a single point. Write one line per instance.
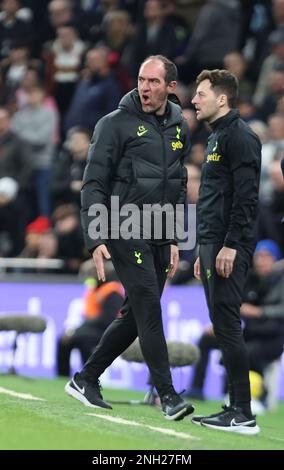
(197, 418)
(175, 408)
(232, 420)
(86, 392)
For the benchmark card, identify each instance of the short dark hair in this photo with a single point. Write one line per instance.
(170, 68)
(222, 81)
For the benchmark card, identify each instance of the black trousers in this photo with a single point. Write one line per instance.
(85, 338)
(224, 298)
(141, 267)
(261, 353)
(206, 344)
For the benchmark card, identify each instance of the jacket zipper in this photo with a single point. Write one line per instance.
(165, 167)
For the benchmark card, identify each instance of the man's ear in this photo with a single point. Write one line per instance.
(223, 100)
(172, 87)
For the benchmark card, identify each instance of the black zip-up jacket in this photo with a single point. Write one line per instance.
(228, 196)
(135, 157)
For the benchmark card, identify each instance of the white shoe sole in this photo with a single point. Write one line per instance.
(180, 414)
(198, 423)
(245, 430)
(78, 396)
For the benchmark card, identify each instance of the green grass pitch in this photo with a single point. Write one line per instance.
(60, 422)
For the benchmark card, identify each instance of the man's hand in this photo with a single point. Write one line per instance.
(251, 311)
(197, 269)
(99, 254)
(173, 261)
(225, 261)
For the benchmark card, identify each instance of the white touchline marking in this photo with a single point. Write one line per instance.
(171, 432)
(272, 438)
(167, 431)
(24, 396)
(113, 419)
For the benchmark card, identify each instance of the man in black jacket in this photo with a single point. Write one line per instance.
(227, 217)
(136, 154)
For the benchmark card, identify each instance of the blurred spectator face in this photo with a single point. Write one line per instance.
(5, 123)
(79, 145)
(276, 127)
(264, 263)
(11, 6)
(193, 183)
(235, 63)
(278, 50)
(117, 23)
(35, 97)
(278, 10)
(276, 176)
(170, 6)
(190, 117)
(66, 224)
(153, 10)
(48, 245)
(32, 241)
(246, 108)
(60, 12)
(30, 79)
(276, 82)
(97, 60)
(67, 36)
(19, 54)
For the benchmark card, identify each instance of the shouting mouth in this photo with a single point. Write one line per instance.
(146, 100)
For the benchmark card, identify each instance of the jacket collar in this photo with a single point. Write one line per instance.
(224, 121)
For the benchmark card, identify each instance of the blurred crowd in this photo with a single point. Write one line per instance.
(66, 63)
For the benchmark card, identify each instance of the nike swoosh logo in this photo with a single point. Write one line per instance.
(141, 133)
(244, 423)
(81, 390)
